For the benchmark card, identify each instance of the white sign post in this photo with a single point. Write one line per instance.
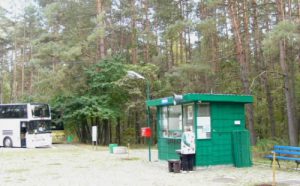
(94, 136)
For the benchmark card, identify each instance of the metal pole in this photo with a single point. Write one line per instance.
(133, 74)
(148, 117)
(274, 168)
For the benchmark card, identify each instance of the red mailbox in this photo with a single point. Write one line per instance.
(146, 132)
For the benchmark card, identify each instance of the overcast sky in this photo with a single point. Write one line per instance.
(9, 4)
(14, 6)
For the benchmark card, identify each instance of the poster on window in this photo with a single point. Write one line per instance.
(190, 112)
(203, 128)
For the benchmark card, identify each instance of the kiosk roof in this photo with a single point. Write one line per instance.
(193, 97)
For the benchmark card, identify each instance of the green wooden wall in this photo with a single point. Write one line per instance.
(229, 143)
(167, 148)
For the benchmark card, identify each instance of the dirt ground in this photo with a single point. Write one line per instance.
(67, 164)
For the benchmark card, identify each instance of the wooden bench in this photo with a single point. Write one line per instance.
(288, 153)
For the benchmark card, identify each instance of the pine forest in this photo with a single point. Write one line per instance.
(75, 55)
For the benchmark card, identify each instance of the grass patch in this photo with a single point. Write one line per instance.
(265, 146)
(82, 167)
(17, 170)
(130, 158)
(54, 164)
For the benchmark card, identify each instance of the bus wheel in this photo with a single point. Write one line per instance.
(7, 142)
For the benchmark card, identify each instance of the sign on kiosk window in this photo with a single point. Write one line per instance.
(203, 122)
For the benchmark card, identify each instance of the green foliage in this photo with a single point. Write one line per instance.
(104, 99)
(284, 30)
(101, 76)
(189, 78)
(213, 3)
(6, 88)
(207, 27)
(128, 136)
(189, 47)
(173, 30)
(265, 146)
(228, 79)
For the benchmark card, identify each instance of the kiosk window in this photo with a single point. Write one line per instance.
(164, 121)
(188, 117)
(203, 121)
(171, 121)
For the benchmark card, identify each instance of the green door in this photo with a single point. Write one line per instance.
(204, 143)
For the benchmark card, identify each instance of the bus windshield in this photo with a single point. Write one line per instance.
(40, 110)
(39, 126)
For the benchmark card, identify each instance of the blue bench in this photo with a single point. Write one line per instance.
(288, 153)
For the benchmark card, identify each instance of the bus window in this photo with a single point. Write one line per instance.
(40, 110)
(13, 111)
(39, 126)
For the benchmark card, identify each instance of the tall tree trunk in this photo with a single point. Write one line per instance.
(215, 53)
(23, 62)
(290, 101)
(298, 9)
(101, 132)
(14, 83)
(31, 81)
(133, 33)
(258, 60)
(270, 105)
(189, 47)
(246, 32)
(167, 54)
(244, 65)
(118, 130)
(137, 128)
(147, 30)
(110, 132)
(101, 25)
(172, 60)
(176, 52)
(181, 37)
(83, 130)
(188, 34)
(106, 131)
(288, 84)
(181, 47)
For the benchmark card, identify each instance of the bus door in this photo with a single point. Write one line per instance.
(23, 130)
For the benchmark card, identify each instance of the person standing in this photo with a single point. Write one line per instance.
(188, 150)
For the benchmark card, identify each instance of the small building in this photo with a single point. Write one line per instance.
(218, 121)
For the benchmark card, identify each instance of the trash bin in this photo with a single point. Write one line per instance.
(174, 165)
(70, 139)
(111, 147)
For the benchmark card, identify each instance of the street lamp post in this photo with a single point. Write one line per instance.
(135, 75)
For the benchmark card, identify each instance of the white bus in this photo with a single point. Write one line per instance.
(25, 125)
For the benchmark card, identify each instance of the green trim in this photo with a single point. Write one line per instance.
(195, 107)
(158, 119)
(160, 102)
(188, 98)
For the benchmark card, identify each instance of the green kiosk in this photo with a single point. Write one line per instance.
(218, 121)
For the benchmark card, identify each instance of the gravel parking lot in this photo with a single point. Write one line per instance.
(68, 164)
